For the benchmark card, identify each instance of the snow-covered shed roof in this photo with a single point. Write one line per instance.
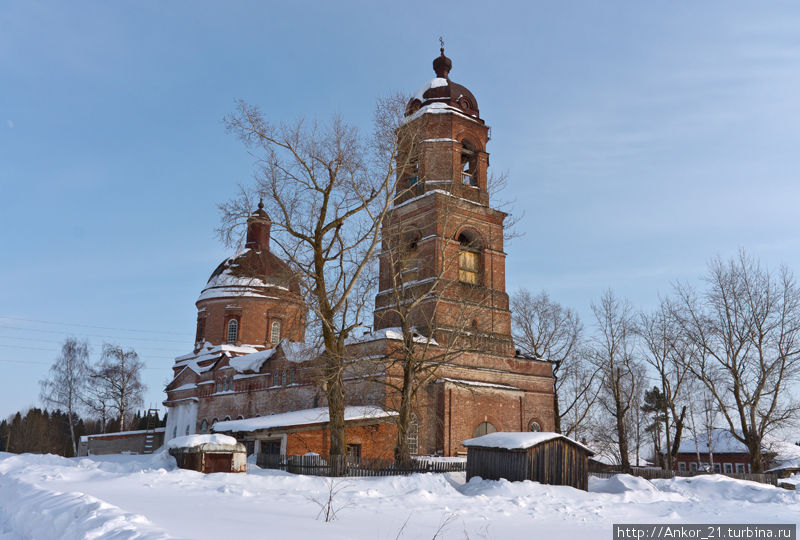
(518, 440)
(206, 443)
(722, 442)
(318, 415)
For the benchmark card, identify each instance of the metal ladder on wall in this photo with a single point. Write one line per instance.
(150, 433)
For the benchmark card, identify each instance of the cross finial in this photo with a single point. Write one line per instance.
(441, 42)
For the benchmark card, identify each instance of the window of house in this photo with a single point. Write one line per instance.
(233, 331)
(682, 466)
(204, 426)
(484, 428)
(219, 385)
(740, 467)
(291, 376)
(275, 332)
(468, 260)
(283, 378)
(728, 468)
(413, 435)
(693, 467)
(535, 426)
(717, 468)
(187, 429)
(353, 453)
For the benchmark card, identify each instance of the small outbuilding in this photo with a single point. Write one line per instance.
(209, 453)
(547, 458)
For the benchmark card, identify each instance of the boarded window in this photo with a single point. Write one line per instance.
(484, 428)
(469, 265)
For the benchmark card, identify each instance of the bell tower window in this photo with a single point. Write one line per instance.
(469, 164)
(233, 331)
(468, 260)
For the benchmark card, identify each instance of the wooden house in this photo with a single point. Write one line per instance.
(547, 458)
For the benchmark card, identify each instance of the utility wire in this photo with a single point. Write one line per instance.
(40, 340)
(120, 338)
(91, 326)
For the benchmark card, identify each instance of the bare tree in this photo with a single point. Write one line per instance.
(613, 354)
(66, 383)
(746, 327)
(327, 190)
(118, 378)
(668, 352)
(545, 329)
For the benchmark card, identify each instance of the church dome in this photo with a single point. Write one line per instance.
(250, 273)
(255, 271)
(442, 93)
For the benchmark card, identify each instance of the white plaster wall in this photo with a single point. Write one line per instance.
(181, 420)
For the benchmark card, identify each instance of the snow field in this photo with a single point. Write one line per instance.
(148, 497)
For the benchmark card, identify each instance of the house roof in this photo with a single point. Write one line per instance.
(521, 440)
(318, 415)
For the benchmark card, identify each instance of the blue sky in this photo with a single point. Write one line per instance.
(640, 139)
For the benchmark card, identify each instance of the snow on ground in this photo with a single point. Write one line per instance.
(146, 497)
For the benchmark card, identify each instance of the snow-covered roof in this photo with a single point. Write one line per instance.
(395, 333)
(464, 382)
(252, 361)
(517, 440)
(436, 82)
(206, 442)
(722, 442)
(299, 418)
(207, 352)
(85, 438)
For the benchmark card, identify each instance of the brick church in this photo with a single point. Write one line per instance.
(251, 375)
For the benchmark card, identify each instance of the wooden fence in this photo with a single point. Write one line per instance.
(315, 465)
(651, 474)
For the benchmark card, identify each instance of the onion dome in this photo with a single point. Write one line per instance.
(442, 93)
(255, 271)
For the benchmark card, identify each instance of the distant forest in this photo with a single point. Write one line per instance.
(39, 431)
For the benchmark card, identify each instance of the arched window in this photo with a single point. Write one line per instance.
(469, 163)
(219, 385)
(204, 426)
(535, 426)
(413, 435)
(227, 418)
(275, 332)
(233, 331)
(484, 428)
(187, 429)
(469, 266)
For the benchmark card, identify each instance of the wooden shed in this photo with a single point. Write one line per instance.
(209, 453)
(547, 458)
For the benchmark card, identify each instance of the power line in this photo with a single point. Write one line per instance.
(41, 340)
(27, 348)
(120, 338)
(92, 326)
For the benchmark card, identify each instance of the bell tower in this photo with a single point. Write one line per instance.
(443, 243)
